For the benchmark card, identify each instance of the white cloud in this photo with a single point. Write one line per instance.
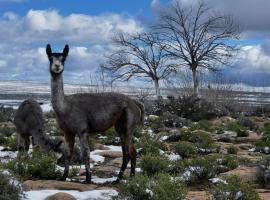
(39, 26)
(23, 40)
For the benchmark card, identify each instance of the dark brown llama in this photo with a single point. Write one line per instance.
(86, 113)
(29, 121)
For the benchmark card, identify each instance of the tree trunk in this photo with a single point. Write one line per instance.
(195, 82)
(156, 81)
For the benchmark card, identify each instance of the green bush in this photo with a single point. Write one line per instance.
(199, 169)
(147, 144)
(111, 137)
(224, 162)
(154, 163)
(202, 140)
(155, 123)
(185, 149)
(232, 149)
(234, 188)
(202, 168)
(91, 142)
(10, 142)
(161, 186)
(203, 124)
(9, 189)
(35, 166)
(240, 130)
(56, 131)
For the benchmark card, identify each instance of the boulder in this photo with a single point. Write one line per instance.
(56, 185)
(111, 154)
(61, 196)
(248, 174)
(264, 194)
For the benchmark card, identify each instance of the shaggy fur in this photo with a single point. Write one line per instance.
(84, 114)
(29, 121)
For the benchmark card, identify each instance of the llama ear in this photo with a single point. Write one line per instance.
(66, 50)
(48, 50)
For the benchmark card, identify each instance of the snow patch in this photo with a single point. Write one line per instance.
(87, 195)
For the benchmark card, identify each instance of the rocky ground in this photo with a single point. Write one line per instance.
(106, 157)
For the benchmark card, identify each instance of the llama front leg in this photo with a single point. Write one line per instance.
(85, 155)
(69, 145)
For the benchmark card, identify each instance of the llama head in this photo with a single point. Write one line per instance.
(57, 60)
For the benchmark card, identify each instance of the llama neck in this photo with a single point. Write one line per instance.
(57, 94)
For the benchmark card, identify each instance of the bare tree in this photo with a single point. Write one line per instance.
(198, 37)
(140, 55)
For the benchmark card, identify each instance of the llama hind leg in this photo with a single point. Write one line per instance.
(69, 145)
(133, 156)
(85, 155)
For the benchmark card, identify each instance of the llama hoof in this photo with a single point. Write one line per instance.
(87, 182)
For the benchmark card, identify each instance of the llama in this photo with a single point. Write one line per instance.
(87, 113)
(29, 121)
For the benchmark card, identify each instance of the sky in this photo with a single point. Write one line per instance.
(88, 25)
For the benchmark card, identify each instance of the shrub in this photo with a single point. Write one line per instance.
(224, 162)
(205, 167)
(6, 114)
(56, 131)
(240, 130)
(199, 169)
(161, 186)
(234, 188)
(37, 165)
(202, 140)
(153, 163)
(147, 144)
(202, 125)
(185, 149)
(246, 122)
(265, 170)
(9, 189)
(155, 123)
(232, 149)
(91, 142)
(10, 143)
(111, 137)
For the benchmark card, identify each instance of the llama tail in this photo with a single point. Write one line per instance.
(141, 107)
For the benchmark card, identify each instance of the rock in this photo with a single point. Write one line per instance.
(107, 170)
(111, 154)
(252, 137)
(248, 174)
(198, 195)
(61, 196)
(101, 147)
(227, 136)
(264, 194)
(246, 122)
(7, 129)
(117, 162)
(56, 185)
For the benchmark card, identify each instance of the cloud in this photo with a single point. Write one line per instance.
(23, 39)
(39, 26)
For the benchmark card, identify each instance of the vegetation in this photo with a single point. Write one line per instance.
(9, 188)
(160, 186)
(148, 144)
(37, 165)
(152, 164)
(185, 149)
(240, 130)
(234, 188)
(232, 149)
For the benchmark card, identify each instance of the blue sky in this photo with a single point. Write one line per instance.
(87, 25)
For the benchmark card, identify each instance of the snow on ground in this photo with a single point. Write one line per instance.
(87, 195)
(99, 180)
